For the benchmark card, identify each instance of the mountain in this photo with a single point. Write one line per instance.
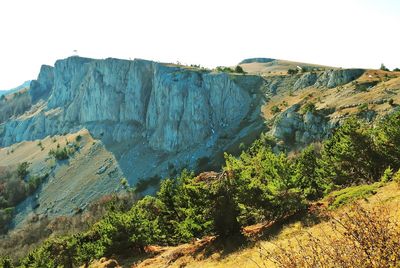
(26, 84)
(87, 129)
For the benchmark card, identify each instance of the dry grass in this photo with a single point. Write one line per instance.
(360, 237)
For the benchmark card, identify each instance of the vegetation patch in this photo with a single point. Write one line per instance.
(348, 195)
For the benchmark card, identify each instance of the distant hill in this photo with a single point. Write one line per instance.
(259, 60)
(18, 88)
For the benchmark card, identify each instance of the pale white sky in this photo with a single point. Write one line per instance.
(347, 33)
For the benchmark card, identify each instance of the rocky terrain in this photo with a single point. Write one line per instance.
(140, 119)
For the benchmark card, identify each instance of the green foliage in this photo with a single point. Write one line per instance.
(292, 71)
(61, 153)
(22, 170)
(124, 182)
(349, 155)
(350, 194)
(226, 211)
(387, 175)
(5, 262)
(265, 189)
(362, 108)
(308, 107)
(239, 69)
(6, 215)
(396, 178)
(387, 140)
(383, 68)
(223, 69)
(78, 138)
(305, 174)
(187, 208)
(396, 70)
(275, 109)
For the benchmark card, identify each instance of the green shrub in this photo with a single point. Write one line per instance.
(275, 109)
(396, 178)
(224, 69)
(60, 153)
(362, 108)
(350, 156)
(387, 175)
(383, 68)
(22, 170)
(78, 138)
(350, 194)
(5, 262)
(239, 69)
(308, 107)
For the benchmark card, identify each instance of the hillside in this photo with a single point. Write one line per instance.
(205, 253)
(25, 85)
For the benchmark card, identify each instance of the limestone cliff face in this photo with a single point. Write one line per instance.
(327, 79)
(171, 107)
(300, 129)
(334, 78)
(41, 88)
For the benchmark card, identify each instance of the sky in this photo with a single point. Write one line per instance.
(342, 33)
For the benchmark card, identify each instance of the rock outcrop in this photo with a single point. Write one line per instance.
(334, 78)
(41, 88)
(327, 79)
(306, 80)
(300, 129)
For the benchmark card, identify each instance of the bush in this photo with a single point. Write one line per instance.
(78, 138)
(224, 69)
(292, 71)
(387, 140)
(5, 262)
(263, 186)
(350, 156)
(396, 178)
(22, 170)
(350, 194)
(275, 109)
(383, 68)
(352, 243)
(387, 175)
(308, 107)
(305, 174)
(239, 69)
(60, 153)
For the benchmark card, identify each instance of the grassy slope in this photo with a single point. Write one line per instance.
(198, 254)
(72, 182)
(388, 86)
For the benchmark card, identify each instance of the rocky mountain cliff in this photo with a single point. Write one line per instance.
(136, 107)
